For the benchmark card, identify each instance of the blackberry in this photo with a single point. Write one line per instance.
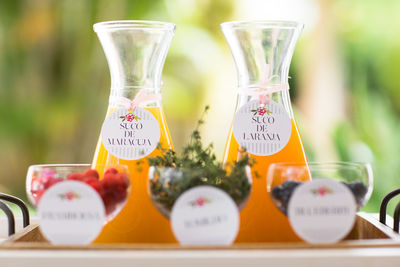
(281, 194)
(359, 191)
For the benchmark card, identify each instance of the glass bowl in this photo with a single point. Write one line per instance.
(167, 184)
(283, 178)
(113, 185)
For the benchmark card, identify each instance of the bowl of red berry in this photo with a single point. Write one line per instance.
(284, 178)
(111, 183)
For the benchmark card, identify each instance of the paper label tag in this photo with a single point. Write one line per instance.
(322, 211)
(205, 215)
(262, 130)
(130, 135)
(71, 213)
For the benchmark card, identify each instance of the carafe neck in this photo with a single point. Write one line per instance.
(135, 52)
(262, 51)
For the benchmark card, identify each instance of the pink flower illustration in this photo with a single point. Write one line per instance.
(261, 110)
(70, 195)
(322, 191)
(130, 117)
(199, 202)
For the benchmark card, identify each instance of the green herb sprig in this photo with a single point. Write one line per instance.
(197, 165)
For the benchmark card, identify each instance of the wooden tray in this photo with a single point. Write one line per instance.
(367, 232)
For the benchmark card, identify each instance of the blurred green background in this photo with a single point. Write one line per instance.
(54, 80)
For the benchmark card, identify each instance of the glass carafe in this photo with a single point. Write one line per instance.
(263, 125)
(135, 122)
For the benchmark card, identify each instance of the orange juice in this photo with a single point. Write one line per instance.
(139, 221)
(263, 124)
(260, 220)
(135, 122)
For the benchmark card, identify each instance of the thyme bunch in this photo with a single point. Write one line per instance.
(197, 165)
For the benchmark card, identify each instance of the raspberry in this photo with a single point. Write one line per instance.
(36, 185)
(47, 172)
(94, 183)
(48, 181)
(109, 201)
(113, 188)
(75, 177)
(91, 173)
(122, 179)
(109, 181)
(53, 182)
(38, 195)
(119, 193)
(110, 208)
(111, 170)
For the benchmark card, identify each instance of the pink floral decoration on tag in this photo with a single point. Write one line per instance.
(322, 191)
(129, 116)
(261, 111)
(69, 196)
(199, 202)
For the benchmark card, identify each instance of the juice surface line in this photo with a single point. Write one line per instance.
(262, 51)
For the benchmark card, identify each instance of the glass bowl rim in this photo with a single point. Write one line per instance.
(323, 164)
(61, 165)
(133, 24)
(276, 24)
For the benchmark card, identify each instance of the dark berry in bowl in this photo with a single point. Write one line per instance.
(281, 194)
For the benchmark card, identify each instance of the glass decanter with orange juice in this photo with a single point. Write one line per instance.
(135, 123)
(263, 124)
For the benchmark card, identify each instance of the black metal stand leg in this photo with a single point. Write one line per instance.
(10, 218)
(396, 218)
(385, 201)
(20, 204)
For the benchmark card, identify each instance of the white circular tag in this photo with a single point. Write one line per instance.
(71, 213)
(205, 215)
(322, 211)
(262, 131)
(130, 135)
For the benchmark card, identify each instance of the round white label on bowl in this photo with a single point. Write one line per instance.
(130, 135)
(205, 215)
(71, 213)
(322, 211)
(262, 130)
